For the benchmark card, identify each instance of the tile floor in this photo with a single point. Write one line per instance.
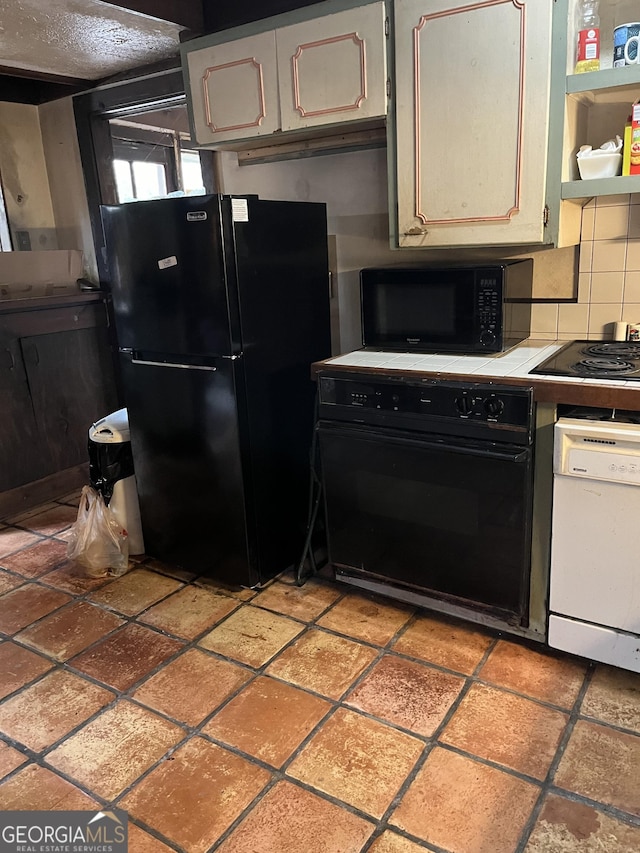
(297, 720)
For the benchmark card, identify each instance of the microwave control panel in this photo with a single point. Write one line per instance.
(488, 310)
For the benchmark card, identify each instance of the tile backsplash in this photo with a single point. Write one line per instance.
(608, 277)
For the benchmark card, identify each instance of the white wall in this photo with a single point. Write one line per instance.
(354, 187)
(66, 181)
(24, 174)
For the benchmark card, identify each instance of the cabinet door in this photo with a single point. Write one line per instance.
(234, 89)
(332, 70)
(20, 450)
(70, 376)
(472, 90)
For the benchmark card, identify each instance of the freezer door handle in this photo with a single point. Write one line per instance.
(174, 364)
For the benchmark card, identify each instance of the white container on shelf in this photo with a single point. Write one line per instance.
(600, 166)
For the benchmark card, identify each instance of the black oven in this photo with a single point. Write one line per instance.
(428, 489)
(454, 308)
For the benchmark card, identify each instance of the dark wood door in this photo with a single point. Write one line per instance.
(70, 377)
(20, 455)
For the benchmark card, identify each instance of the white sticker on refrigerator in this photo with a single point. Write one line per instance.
(165, 263)
(239, 210)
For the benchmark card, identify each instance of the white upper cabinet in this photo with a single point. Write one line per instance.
(472, 84)
(329, 70)
(234, 89)
(333, 69)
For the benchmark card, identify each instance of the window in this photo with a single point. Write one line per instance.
(150, 157)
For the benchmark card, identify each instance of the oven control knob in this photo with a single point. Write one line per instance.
(465, 405)
(487, 338)
(493, 406)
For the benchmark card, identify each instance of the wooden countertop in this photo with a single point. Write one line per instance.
(41, 303)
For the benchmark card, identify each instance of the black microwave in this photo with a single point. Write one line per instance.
(468, 309)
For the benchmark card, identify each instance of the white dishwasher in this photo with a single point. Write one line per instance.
(594, 597)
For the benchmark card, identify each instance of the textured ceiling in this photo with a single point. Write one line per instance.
(85, 39)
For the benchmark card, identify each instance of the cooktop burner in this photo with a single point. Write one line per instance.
(594, 359)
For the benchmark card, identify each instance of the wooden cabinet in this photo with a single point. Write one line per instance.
(472, 123)
(234, 89)
(316, 73)
(56, 379)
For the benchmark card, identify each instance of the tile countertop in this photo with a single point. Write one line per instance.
(508, 368)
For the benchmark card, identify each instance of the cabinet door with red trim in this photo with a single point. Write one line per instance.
(332, 70)
(472, 83)
(234, 90)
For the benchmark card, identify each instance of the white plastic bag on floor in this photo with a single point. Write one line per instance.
(97, 541)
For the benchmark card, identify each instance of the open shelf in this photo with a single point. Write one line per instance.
(601, 186)
(607, 79)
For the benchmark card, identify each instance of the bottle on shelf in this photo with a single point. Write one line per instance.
(588, 48)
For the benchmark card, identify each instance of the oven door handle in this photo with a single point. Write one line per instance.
(471, 448)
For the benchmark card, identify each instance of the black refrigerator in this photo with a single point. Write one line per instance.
(221, 305)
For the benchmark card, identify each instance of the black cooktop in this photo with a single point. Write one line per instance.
(594, 360)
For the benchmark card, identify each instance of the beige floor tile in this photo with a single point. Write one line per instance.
(71, 577)
(508, 729)
(391, 842)
(40, 715)
(68, 631)
(290, 820)
(165, 568)
(112, 751)
(22, 606)
(366, 618)
(18, 667)
(51, 521)
(251, 635)
(302, 602)
(358, 760)
(406, 693)
(125, 657)
(8, 581)
(140, 841)
(569, 827)
(192, 686)
(238, 592)
(322, 662)
(38, 788)
(614, 697)
(446, 644)
(12, 539)
(268, 720)
(37, 559)
(190, 611)
(602, 764)
(535, 673)
(196, 796)
(10, 759)
(463, 806)
(135, 591)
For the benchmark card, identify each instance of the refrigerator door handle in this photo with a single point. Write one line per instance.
(174, 364)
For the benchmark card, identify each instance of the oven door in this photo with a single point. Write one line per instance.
(450, 517)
